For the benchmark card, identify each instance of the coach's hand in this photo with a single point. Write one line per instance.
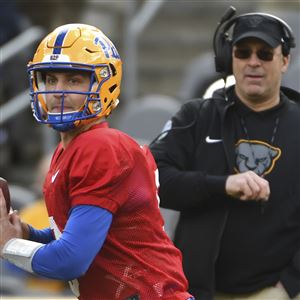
(247, 186)
(10, 224)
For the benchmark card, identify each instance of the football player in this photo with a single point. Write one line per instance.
(106, 232)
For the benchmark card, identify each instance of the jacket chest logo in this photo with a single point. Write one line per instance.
(256, 156)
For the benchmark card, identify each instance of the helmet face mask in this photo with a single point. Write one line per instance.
(80, 49)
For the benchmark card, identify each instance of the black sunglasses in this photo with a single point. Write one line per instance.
(262, 54)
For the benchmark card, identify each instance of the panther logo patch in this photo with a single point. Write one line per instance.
(256, 156)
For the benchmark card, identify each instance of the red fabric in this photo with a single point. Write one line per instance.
(106, 168)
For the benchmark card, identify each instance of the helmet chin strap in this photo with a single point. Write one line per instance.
(63, 127)
(66, 126)
(63, 122)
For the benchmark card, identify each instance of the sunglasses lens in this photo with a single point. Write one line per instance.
(265, 55)
(242, 53)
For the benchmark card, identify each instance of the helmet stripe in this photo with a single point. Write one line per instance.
(59, 41)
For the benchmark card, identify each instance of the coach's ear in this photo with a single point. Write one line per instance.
(285, 63)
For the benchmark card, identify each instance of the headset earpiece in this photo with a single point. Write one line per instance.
(223, 47)
(221, 43)
(225, 56)
(224, 51)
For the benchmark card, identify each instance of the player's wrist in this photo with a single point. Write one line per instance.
(25, 231)
(20, 252)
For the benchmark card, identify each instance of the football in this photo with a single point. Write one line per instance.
(5, 191)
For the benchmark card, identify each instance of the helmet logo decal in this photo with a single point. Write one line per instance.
(54, 57)
(107, 47)
(59, 41)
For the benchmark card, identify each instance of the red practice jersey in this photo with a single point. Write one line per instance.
(106, 168)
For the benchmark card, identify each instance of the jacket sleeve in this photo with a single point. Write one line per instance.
(290, 277)
(182, 187)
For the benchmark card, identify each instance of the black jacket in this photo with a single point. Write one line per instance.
(194, 159)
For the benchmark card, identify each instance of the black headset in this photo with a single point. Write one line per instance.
(222, 42)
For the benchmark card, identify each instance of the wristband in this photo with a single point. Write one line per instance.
(20, 252)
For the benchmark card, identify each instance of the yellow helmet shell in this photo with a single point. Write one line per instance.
(81, 47)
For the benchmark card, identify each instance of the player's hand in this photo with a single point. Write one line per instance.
(247, 186)
(10, 224)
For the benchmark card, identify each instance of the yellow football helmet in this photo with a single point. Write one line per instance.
(82, 48)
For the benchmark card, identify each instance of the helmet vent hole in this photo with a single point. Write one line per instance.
(113, 69)
(105, 100)
(112, 88)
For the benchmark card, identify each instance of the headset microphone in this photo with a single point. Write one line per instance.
(230, 12)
